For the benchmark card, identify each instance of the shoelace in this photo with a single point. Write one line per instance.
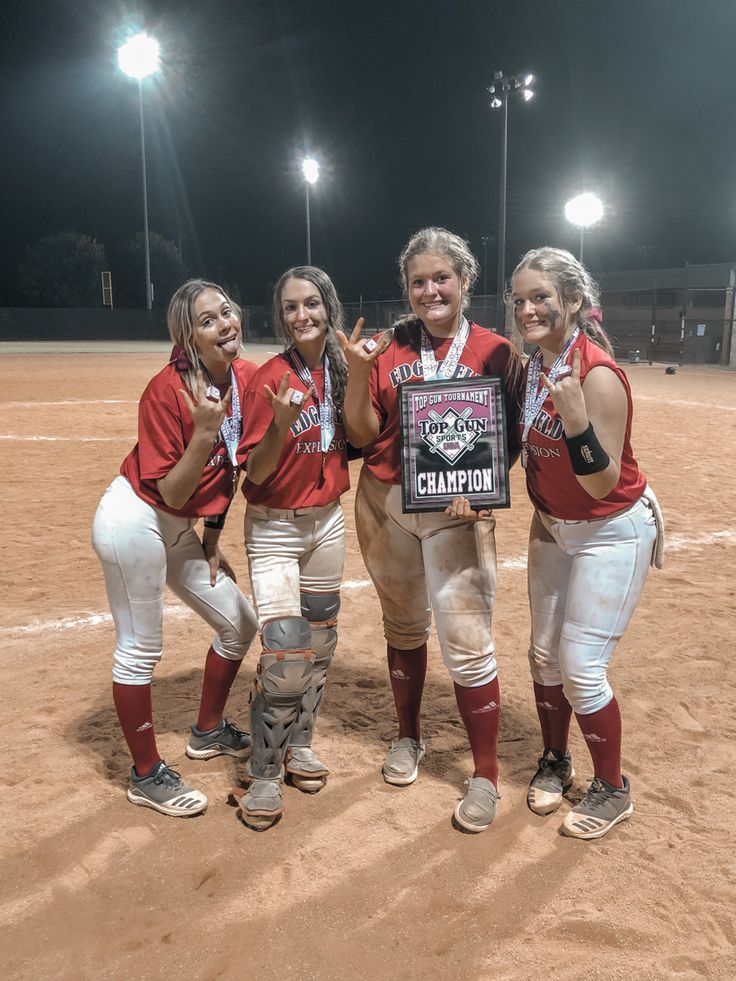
(167, 776)
(233, 729)
(597, 793)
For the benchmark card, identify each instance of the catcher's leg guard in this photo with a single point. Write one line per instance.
(283, 675)
(307, 772)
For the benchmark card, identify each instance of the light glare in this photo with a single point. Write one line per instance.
(527, 94)
(139, 57)
(584, 210)
(310, 167)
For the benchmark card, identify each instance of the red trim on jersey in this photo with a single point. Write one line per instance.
(165, 429)
(550, 480)
(485, 353)
(297, 481)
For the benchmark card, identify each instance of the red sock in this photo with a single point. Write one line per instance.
(133, 705)
(219, 675)
(407, 670)
(602, 732)
(554, 713)
(480, 709)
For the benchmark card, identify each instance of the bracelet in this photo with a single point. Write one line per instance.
(586, 453)
(217, 522)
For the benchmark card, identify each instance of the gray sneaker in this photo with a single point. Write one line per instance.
(223, 740)
(307, 772)
(262, 805)
(477, 809)
(602, 808)
(401, 766)
(164, 790)
(549, 783)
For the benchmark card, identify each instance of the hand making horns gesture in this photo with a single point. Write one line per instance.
(567, 392)
(207, 413)
(361, 354)
(286, 403)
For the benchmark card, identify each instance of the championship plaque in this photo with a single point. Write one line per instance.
(453, 444)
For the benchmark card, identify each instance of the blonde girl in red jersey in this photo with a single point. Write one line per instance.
(182, 468)
(295, 456)
(592, 535)
(430, 563)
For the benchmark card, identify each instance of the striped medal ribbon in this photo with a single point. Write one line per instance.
(533, 397)
(449, 365)
(326, 407)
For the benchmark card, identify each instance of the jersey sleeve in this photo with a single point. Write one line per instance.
(160, 438)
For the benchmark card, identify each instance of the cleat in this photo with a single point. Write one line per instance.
(224, 740)
(164, 790)
(306, 771)
(262, 806)
(553, 778)
(602, 808)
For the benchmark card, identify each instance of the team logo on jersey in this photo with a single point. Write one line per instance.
(414, 371)
(450, 434)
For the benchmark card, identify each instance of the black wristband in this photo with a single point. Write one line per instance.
(216, 521)
(586, 453)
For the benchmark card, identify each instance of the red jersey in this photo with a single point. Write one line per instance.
(485, 353)
(165, 429)
(300, 480)
(550, 479)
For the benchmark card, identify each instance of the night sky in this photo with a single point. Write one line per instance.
(634, 100)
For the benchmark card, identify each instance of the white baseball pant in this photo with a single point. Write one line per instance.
(292, 552)
(585, 579)
(142, 550)
(429, 562)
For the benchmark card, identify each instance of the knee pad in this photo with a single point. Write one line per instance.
(283, 676)
(320, 610)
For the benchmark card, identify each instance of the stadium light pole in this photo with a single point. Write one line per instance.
(584, 211)
(138, 58)
(504, 86)
(310, 169)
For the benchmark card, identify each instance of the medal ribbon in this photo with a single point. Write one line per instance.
(326, 407)
(448, 366)
(232, 426)
(533, 397)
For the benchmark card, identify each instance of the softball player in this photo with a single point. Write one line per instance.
(296, 469)
(427, 562)
(183, 467)
(592, 534)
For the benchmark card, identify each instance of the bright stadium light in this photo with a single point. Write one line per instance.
(310, 169)
(138, 58)
(503, 86)
(584, 211)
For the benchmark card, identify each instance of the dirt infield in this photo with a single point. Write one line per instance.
(364, 880)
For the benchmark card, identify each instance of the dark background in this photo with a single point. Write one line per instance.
(634, 100)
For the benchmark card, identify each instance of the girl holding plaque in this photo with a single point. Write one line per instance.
(430, 562)
(182, 468)
(592, 536)
(295, 455)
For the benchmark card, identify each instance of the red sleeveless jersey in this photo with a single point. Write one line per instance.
(550, 480)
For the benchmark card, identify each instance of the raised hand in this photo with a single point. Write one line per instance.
(286, 403)
(207, 413)
(361, 354)
(567, 396)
